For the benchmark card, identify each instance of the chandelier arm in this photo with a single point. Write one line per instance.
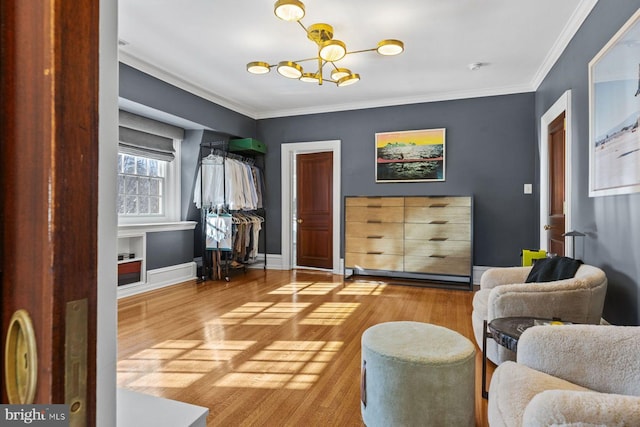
(361, 51)
(307, 59)
(303, 27)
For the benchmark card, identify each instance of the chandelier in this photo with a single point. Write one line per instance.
(330, 50)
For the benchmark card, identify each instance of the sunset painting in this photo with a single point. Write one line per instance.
(414, 155)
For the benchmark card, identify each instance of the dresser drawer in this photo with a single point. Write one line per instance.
(446, 215)
(380, 246)
(446, 248)
(384, 230)
(437, 202)
(437, 265)
(437, 232)
(374, 201)
(374, 215)
(373, 261)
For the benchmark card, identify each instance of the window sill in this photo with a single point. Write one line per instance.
(156, 227)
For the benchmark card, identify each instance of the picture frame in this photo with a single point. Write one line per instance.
(614, 114)
(410, 155)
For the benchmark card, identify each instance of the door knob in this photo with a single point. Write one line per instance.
(299, 221)
(21, 359)
(547, 227)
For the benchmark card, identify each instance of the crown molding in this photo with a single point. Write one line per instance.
(573, 25)
(174, 80)
(391, 102)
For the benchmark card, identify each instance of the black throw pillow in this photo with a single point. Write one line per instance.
(551, 269)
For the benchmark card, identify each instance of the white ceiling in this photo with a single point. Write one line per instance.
(203, 46)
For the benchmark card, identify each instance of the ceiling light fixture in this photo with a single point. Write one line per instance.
(289, 10)
(330, 50)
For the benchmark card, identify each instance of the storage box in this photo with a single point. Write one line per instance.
(129, 272)
(247, 144)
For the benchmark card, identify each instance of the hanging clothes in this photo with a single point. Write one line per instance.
(209, 189)
(228, 182)
(219, 232)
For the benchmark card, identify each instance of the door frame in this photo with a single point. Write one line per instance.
(563, 104)
(288, 153)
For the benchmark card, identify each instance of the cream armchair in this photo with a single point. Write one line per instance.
(503, 293)
(576, 375)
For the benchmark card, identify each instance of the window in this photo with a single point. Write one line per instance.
(148, 189)
(141, 186)
(148, 170)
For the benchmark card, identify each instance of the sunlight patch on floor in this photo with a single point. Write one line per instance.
(306, 288)
(292, 365)
(330, 313)
(177, 367)
(263, 313)
(167, 380)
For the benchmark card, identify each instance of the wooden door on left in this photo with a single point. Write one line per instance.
(49, 83)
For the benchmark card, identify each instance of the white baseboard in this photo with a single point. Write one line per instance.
(161, 277)
(274, 262)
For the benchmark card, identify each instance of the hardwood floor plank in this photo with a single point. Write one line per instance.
(271, 347)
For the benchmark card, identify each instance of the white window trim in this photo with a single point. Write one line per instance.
(171, 197)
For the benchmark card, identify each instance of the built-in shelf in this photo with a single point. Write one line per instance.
(133, 277)
(132, 271)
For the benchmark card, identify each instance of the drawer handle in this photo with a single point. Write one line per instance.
(374, 221)
(437, 256)
(438, 222)
(374, 253)
(438, 239)
(375, 237)
(374, 206)
(439, 205)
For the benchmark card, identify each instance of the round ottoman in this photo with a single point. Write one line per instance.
(417, 374)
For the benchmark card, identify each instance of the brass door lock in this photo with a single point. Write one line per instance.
(21, 359)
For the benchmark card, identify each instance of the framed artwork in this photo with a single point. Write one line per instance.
(410, 156)
(614, 114)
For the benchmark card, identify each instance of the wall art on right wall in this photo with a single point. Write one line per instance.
(614, 114)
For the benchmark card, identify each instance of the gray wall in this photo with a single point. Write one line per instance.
(147, 90)
(166, 248)
(490, 154)
(611, 222)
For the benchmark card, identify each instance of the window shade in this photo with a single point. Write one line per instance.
(140, 136)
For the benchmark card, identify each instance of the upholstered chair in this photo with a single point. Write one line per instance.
(575, 375)
(504, 293)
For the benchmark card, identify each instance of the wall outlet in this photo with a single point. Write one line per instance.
(528, 188)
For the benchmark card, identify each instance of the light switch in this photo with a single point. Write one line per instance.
(528, 188)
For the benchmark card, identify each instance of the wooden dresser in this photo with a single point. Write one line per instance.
(414, 237)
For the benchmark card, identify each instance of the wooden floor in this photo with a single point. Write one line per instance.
(271, 348)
